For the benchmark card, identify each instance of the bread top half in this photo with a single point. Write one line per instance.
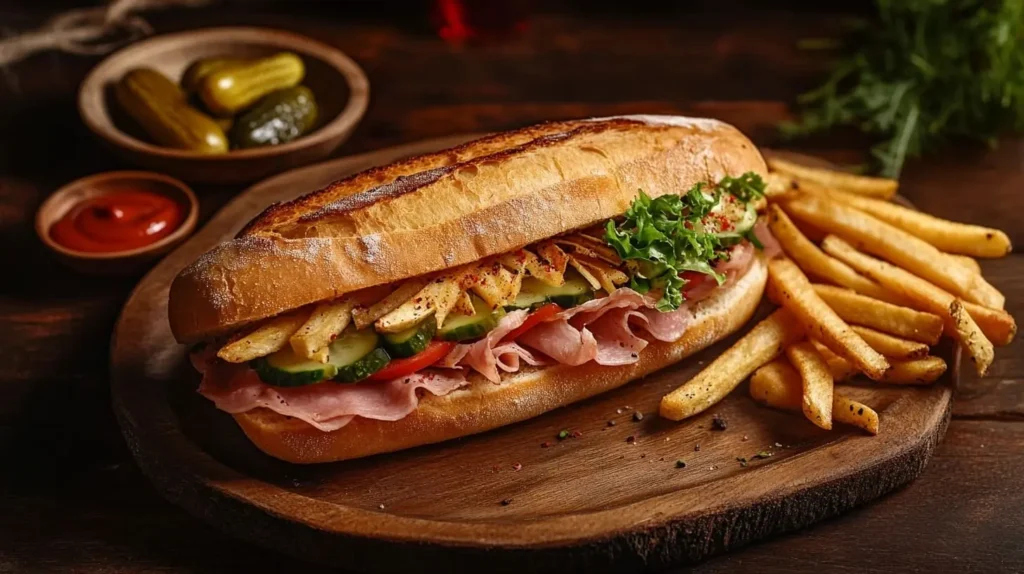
(437, 211)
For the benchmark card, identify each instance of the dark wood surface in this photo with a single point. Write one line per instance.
(71, 499)
(599, 502)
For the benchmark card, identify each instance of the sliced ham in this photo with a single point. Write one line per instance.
(764, 235)
(326, 406)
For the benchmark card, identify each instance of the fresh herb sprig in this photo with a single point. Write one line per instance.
(926, 72)
(663, 237)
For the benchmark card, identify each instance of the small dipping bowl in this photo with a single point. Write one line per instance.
(117, 262)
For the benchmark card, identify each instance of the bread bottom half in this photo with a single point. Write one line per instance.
(483, 406)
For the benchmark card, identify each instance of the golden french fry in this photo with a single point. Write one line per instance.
(819, 320)
(363, 317)
(265, 339)
(929, 297)
(776, 184)
(853, 413)
(916, 371)
(817, 383)
(324, 324)
(893, 319)
(863, 185)
(998, 325)
(778, 385)
(967, 262)
(815, 262)
(762, 344)
(893, 244)
(890, 346)
(945, 235)
(841, 369)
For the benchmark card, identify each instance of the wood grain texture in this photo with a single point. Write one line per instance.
(67, 472)
(611, 499)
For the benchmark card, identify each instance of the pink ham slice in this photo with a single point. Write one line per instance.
(326, 406)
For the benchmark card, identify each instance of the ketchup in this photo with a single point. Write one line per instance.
(119, 221)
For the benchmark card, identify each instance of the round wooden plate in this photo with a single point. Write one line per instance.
(612, 496)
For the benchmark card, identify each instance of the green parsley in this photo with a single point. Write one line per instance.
(663, 237)
(923, 73)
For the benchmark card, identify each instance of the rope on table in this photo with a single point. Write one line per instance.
(88, 31)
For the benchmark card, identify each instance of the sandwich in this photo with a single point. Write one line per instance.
(460, 291)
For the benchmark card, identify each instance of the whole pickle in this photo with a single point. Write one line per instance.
(159, 107)
(230, 90)
(278, 118)
(199, 69)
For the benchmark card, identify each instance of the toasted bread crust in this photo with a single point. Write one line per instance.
(423, 219)
(484, 406)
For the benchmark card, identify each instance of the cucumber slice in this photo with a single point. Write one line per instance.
(287, 369)
(527, 300)
(412, 340)
(574, 291)
(465, 327)
(357, 355)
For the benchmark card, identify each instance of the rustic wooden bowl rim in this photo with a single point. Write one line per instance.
(183, 194)
(92, 104)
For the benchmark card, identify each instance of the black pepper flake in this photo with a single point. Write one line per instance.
(506, 501)
(638, 416)
(718, 423)
(696, 447)
(680, 463)
(631, 439)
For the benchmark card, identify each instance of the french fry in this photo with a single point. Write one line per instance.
(760, 345)
(363, 317)
(268, 338)
(890, 346)
(998, 325)
(819, 320)
(776, 184)
(324, 324)
(870, 186)
(945, 235)
(778, 385)
(817, 383)
(967, 262)
(893, 319)
(929, 297)
(841, 369)
(853, 413)
(916, 371)
(893, 244)
(815, 262)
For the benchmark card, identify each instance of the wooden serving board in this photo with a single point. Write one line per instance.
(610, 498)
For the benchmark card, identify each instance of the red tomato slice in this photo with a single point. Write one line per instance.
(693, 279)
(541, 314)
(398, 368)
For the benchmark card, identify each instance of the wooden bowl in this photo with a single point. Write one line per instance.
(340, 86)
(120, 262)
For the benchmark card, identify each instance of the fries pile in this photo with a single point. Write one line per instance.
(888, 283)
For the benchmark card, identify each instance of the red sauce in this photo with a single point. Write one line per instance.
(119, 221)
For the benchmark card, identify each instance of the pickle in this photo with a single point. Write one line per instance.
(278, 118)
(160, 108)
(199, 69)
(230, 90)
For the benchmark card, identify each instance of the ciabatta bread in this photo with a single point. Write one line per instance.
(441, 210)
(483, 405)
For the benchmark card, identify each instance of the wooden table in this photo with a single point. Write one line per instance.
(71, 498)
